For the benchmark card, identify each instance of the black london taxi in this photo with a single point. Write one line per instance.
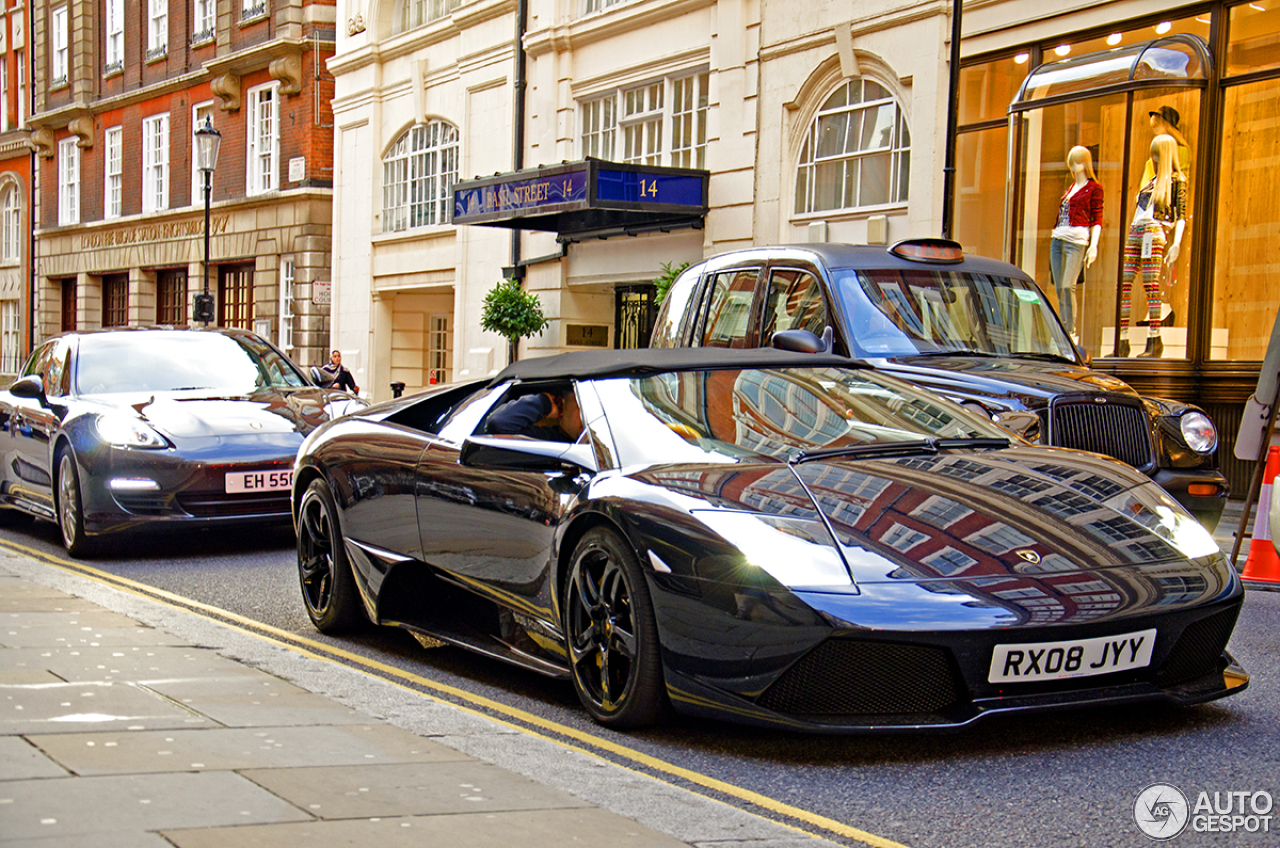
(975, 330)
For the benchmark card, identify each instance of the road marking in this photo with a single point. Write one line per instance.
(317, 650)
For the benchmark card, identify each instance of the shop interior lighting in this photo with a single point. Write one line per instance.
(1021, 58)
(1163, 27)
(1062, 49)
(1114, 38)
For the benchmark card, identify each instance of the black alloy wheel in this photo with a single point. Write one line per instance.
(328, 587)
(71, 507)
(610, 634)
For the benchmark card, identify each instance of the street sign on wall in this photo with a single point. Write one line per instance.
(322, 292)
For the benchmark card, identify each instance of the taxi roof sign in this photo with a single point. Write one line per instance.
(933, 250)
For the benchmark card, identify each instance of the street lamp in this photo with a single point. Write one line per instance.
(207, 141)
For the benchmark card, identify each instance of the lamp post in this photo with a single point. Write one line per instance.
(207, 141)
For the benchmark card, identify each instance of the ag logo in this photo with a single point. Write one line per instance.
(1161, 811)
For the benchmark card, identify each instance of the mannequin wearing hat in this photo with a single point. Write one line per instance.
(1154, 238)
(1164, 121)
(1074, 241)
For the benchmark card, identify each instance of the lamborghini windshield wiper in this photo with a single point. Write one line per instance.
(908, 447)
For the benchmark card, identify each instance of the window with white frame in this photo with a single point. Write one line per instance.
(440, 349)
(22, 87)
(202, 26)
(199, 113)
(58, 40)
(155, 163)
(418, 174)
(113, 173)
(10, 336)
(287, 279)
(11, 224)
(589, 6)
(658, 123)
(411, 14)
(857, 151)
(264, 139)
(157, 28)
(252, 9)
(68, 182)
(114, 52)
(4, 97)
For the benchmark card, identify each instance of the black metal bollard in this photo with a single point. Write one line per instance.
(397, 389)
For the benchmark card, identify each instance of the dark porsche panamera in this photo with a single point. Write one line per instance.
(117, 430)
(774, 538)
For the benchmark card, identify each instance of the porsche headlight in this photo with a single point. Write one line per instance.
(1198, 431)
(121, 431)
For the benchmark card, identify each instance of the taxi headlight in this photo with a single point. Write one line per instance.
(122, 431)
(1198, 432)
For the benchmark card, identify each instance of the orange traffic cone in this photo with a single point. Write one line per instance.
(1263, 565)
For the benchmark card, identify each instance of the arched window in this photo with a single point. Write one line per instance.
(411, 14)
(10, 224)
(857, 152)
(418, 174)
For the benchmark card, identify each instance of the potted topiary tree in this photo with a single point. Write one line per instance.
(663, 281)
(512, 313)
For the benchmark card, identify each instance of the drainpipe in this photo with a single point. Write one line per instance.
(517, 122)
(953, 89)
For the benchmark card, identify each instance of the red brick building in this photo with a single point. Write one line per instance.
(119, 88)
(15, 188)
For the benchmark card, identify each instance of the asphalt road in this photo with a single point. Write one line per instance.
(1056, 779)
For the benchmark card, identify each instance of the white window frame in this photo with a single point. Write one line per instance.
(418, 174)
(4, 97)
(657, 122)
(411, 14)
(203, 21)
(11, 224)
(113, 172)
(68, 182)
(250, 9)
(198, 113)
(155, 163)
(263, 131)
(439, 349)
(288, 277)
(10, 336)
(20, 56)
(818, 172)
(590, 7)
(59, 37)
(114, 47)
(157, 28)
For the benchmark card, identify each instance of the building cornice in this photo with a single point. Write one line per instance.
(612, 22)
(859, 26)
(408, 43)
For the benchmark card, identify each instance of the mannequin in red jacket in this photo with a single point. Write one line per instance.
(1075, 236)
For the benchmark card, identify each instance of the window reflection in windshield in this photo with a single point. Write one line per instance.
(904, 313)
(114, 363)
(728, 416)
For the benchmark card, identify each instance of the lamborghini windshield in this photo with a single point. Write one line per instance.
(937, 311)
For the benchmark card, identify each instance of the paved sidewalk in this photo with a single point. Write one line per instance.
(115, 732)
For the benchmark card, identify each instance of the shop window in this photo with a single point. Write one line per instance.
(11, 234)
(856, 153)
(1253, 38)
(155, 163)
(171, 297)
(1245, 296)
(115, 300)
(411, 14)
(418, 174)
(987, 89)
(68, 182)
(982, 174)
(264, 139)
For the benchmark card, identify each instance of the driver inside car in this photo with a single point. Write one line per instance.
(548, 416)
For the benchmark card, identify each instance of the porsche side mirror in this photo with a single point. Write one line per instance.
(30, 386)
(520, 454)
(797, 341)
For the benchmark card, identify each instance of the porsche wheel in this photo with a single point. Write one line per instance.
(71, 507)
(610, 634)
(328, 587)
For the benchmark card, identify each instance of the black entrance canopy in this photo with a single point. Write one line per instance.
(591, 198)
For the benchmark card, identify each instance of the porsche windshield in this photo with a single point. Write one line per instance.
(936, 311)
(160, 361)
(727, 416)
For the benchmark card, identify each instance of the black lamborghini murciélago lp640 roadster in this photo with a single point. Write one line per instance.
(780, 539)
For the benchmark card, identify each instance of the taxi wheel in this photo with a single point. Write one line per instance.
(71, 508)
(610, 634)
(328, 587)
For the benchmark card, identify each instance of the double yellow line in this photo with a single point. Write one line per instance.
(810, 823)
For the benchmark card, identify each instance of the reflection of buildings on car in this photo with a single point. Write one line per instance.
(813, 127)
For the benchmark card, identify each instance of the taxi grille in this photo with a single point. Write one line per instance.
(846, 677)
(1117, 428)
(1198, 648)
